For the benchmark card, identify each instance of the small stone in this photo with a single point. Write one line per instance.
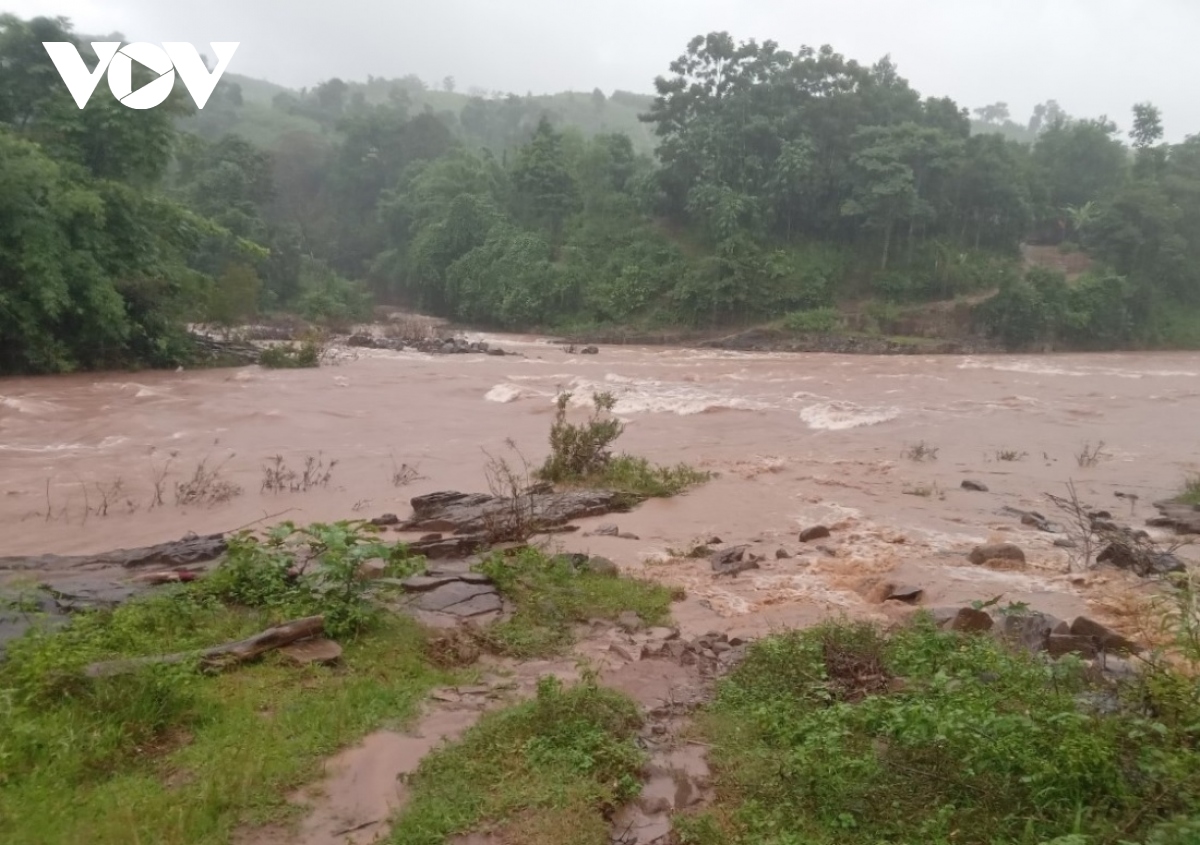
(977, 486)
(664, 634)
(386, 519)
(998, 551)
(709, 653)
(607, 530)
(782, 554)
(817, 532)
(736, 641)
(714, 541)
(630, 621)
(720, 647)
(318, 651)
(970, 620)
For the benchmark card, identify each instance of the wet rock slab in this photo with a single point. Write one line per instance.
(1183, 518)
(176, 553)
(482, 514)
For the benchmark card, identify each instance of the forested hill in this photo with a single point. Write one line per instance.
(790, 187)
(264, 113)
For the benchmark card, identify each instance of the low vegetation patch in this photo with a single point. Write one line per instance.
(582, 454)
(296, 572)
(839, 734)
(921, 452)
(544, 772)
(291, 356)
(814, 321)
(551, 595)
(166, 754)
(1191, 490)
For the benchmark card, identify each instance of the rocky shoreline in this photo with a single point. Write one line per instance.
(778, 340)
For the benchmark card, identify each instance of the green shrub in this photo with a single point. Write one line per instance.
(290, 356)
(298, 572)
(582, 454)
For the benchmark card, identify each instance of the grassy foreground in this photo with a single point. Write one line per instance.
(838, 735)
(171, 755)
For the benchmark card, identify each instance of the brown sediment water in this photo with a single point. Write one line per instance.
(796, 439)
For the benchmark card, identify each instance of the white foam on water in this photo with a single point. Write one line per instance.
(1041, 368)
(505, 393)
(841, 415)
(647, 396)
(26, 406)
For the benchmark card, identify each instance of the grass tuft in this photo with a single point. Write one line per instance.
(1191, 490)
(546, 771)
(551, 596)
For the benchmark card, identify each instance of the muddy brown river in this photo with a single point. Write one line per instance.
(796, 440)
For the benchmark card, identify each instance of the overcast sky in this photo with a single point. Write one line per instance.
(1093, 56)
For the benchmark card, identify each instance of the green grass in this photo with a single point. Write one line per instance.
(168, 755)
(814, 321)
(639, 479)
(1191, 490)
(544, 771)
(551, 597)
(814, 742)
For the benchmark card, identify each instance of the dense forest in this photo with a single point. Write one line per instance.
(757, 185)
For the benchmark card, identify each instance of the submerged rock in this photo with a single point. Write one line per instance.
(176, 553)
(996, 551)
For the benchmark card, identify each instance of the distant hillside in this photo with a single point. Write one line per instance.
(263, 112)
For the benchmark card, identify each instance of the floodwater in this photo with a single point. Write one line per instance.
(91, 462)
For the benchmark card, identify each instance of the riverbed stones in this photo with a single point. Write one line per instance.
(974, 486)
(1030, 630)
(1008, 552)
(607, 530)
(1105, 638)
(733, 561)
(1182, 517)
(816, 532)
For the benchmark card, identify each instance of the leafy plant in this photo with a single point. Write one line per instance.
(291, 356)
(313, 570)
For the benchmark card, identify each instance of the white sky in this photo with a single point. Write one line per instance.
(1093, 56)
